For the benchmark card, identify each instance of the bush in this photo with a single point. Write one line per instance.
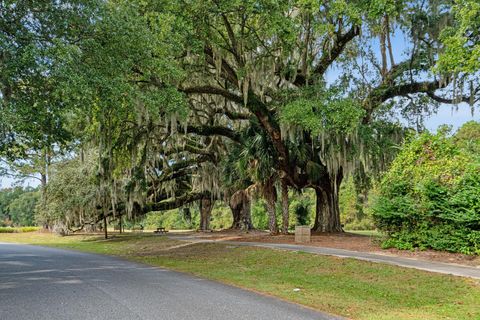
(364, 224)
(171, 219)
(28, 229)
(7, 230)
(20, 229)
(429, 199)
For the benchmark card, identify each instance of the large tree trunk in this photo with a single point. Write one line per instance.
(240, 204)
(327, 211)
(237, 217)
(285, 213)
(206, 206)
(272, 217)
(270, 195)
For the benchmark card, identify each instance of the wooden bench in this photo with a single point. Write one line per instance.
(160, 230)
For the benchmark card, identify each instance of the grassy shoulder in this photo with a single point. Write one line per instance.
(355, 289)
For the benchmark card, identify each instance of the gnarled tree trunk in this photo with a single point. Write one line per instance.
(327, 211)
(240, 204)
(285, 213)
(270, 195)
(206, 206)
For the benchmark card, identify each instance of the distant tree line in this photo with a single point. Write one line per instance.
(18, 206)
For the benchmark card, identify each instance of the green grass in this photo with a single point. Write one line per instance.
(352, 288)
(118, 245)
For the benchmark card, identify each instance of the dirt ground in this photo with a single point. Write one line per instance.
(347, 241)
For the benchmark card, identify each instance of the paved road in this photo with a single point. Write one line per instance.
(432, 266)
(45, 283)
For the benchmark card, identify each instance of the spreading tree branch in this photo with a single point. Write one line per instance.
(329, 57)
(214, 131)
(175, 203)
(214, 91)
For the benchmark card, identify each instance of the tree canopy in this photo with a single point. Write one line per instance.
(197, 101)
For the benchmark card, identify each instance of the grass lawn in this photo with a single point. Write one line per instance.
(355, 289)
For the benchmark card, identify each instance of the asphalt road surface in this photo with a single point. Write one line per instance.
(45, 283)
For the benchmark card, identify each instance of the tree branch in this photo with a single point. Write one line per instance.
(227, 71)
(175, 203)
(215, 91)
(329, 57)
(215, 131)
(233, 115)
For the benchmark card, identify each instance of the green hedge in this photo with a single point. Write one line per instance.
(20, 229)
(28, 229)
(430, 197)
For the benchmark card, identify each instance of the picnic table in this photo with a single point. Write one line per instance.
(160, 230)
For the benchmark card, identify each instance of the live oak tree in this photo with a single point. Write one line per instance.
(301, 91)
(272, 58)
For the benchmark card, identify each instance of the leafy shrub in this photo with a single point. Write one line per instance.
(364, 224)
(171, 219)
(20, 229)
(7, 230)
(430, 197)
(301, 213)
(28, 229)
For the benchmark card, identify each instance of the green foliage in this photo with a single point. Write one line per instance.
(318, 110)
(302, 207)
(32, 35)
(301, 213)
(221, 216)
(17, 206)
(429, 197)
(20, 229)
(73, 195)
(6, 197)
(355, 205)
(461, 40)
(172, 219)
(22, 209)
(29, 229)
(259, 215)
